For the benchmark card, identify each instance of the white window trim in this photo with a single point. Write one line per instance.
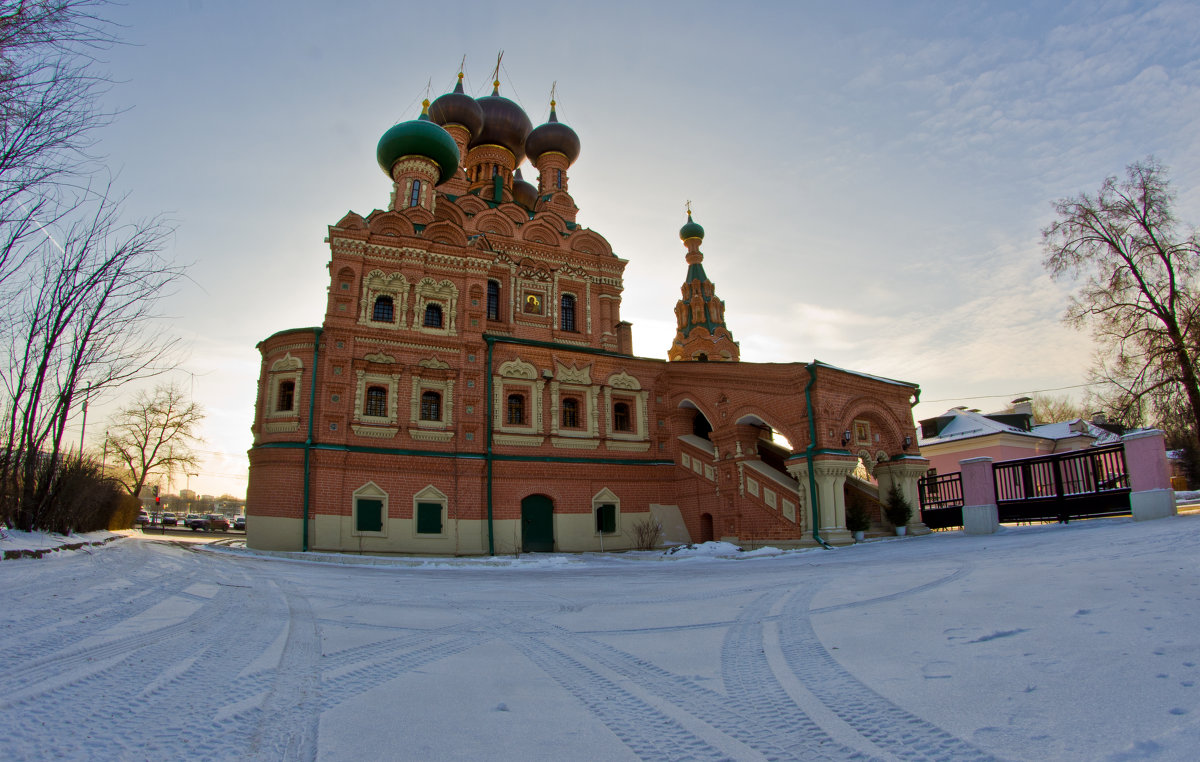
(606, 497)
(444, 294)
(446, 389)
(371, 491)
(391, 383)
(286, 368)
(377, 284)
(431, 494)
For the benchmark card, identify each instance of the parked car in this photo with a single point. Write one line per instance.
(196, 523)
(240, 523)
(169, 519)
(143, 518)
(217, 522)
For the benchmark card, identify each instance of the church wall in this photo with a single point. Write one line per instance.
(398, 467)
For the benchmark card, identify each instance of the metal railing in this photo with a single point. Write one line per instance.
(941, 500)
(1091, 482)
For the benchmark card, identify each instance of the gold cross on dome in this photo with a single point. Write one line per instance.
(689, 207)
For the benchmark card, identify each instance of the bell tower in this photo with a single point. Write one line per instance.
(701, 335)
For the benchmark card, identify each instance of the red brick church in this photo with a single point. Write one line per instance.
(472, 390)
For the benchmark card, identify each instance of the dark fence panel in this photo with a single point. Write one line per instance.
(941, 500)
(1083, 483)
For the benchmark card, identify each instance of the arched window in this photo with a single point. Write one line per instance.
(433, 316)
(384, 311)
(287, 396)
(493, 300)
(570, 413)
(431, 406)
(415, 197)
(568, 313)
(700, 426)
(621, 419)
(558, 178)
(376, 402)
(516, 410)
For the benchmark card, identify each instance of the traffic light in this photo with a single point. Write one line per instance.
(156, 493)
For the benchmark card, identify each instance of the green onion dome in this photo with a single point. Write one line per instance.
(524, 192)
(552, 136)
(420, 137)
(458, 108)
(691, 230)
(504, 124)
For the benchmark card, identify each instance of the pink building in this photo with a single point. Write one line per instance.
(959, 434)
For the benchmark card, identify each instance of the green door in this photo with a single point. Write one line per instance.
(537, 524)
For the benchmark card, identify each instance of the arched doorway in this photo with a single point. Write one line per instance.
(537, 524)
(706, 527)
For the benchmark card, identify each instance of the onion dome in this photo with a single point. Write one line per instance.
(691, 230)
(524, 192)
(552, 136)
(504, 124)
(420, 137)
(458, 108)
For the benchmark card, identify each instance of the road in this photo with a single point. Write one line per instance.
(935, 648)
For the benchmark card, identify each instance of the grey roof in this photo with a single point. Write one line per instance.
(967, 424)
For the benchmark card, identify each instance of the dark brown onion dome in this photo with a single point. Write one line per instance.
(504, 124)
(458, 108)
(524, 193)
(552, 136)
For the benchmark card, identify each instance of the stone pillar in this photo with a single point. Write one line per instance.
(980, 515)
(904, 472)
(1151, 496)
(830, 474)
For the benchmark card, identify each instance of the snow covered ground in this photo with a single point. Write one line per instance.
(1077, 642)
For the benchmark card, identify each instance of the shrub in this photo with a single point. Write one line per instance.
(646, 534)
(897, 509)
(857, 517)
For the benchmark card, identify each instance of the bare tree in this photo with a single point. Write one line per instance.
(48, 95)
(1137, 293)
(155, 434)
(1052, 408)
(78, 285)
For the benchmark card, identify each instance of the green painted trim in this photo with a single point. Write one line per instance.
(810, 451)
(460, 455)
(492, 338)
(308, 442)
(822, 451)
(600, 461)
(488, 411)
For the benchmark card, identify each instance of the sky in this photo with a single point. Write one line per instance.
(872, 177)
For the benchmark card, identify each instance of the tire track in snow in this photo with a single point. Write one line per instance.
(753, 686)
(774, 739)
(958, 573)
(287, 724)
(182, 711)
(647, 731)
(390, 665)
(883, 723)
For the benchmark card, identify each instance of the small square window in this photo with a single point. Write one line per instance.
(606, 518)
(429, 518)
(368, 515)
